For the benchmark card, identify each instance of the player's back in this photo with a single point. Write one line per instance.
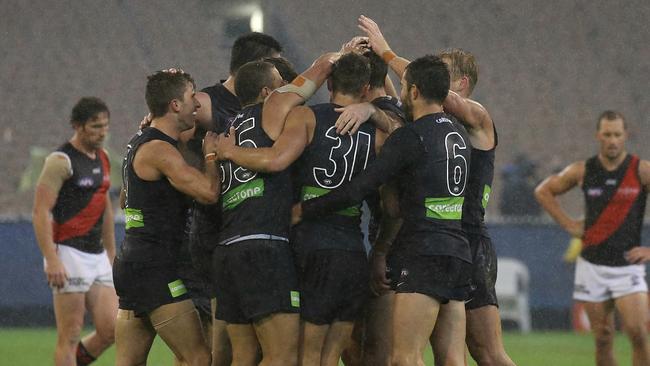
(329, 161)
(252, 203)
(432, 190)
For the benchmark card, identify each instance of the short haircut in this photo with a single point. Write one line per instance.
(430, 74)
(284, 67)
(610, 115)
(252, 77)
(378, 70)
(252, 47)
(163, 87)
(86, 110)
(461, 63)
(350, 74)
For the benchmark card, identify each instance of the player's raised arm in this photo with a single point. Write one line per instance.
(555, 185)
(380, 46)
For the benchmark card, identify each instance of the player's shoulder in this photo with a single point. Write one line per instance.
(575, 170)
(644, 171)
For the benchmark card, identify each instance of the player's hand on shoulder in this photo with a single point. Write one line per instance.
(376, 39)
(146, 121)
(352, 117)
(55, 272)
(224, 144)
(638, 255)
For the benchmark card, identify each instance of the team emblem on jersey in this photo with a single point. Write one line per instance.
(85, 182)
(594, 192)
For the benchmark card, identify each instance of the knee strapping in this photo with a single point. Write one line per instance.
(83, 357)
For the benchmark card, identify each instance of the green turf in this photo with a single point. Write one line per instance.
(34, 346)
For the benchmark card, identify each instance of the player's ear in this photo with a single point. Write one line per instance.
(414, 92)
(175, 105)
(329, 84)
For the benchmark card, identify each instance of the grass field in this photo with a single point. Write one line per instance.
(34, 346)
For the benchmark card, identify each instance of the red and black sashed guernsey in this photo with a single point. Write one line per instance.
(79, 209)
(615, 202)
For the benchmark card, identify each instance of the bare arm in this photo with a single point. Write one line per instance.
(288, 147)
(277, 106)
(474, 117)
(388, 229)
(380, 46)
(108, 230)
(354, 115)
(555, 185)
(157, 158)
(55, 171)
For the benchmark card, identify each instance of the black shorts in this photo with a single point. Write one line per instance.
(254, 279)
(484, 272)
(144, 287)
(441, 277)
(333, 285)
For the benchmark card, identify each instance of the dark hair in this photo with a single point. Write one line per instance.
(350, 74)
(163, 87)
(87, 109)
(461, 63)
(252, 47)
(252, 77)
(378, 70)
(431, 76)
(285, 68)
(610, 115)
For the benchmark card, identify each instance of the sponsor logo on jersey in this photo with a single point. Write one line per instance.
(309, 192)
(236, 196)
(133, 218)
(295, 298)
(611, 182)
(445, 208)
(97, 170)
(486, 196)
(177, 288)
(594, 192)
(629, 191)
(443, 120)
(85, 182)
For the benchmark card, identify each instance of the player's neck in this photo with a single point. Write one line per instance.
(168, 125)
(421, 110)
(612, 164)
(75, 141)
(229, 84)
(375, 93)
(344, 99)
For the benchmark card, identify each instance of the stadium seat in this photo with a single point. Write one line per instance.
(512, 292)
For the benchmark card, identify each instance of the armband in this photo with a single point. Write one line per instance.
(301, 86)
(211, 156)
(388, 56)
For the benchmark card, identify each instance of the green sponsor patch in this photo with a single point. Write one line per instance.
(177, 288)
(486, 195)
(234, 197)
(446, 208)
(309, 192)
(295, 298)
(133, 217)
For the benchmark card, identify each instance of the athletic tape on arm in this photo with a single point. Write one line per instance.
(301, 86)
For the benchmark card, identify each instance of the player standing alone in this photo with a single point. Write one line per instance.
(73, 223)
(615, 186)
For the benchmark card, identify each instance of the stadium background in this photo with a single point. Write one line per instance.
(547, 70)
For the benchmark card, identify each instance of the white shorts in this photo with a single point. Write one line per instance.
(83, 269)
(596, 283)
